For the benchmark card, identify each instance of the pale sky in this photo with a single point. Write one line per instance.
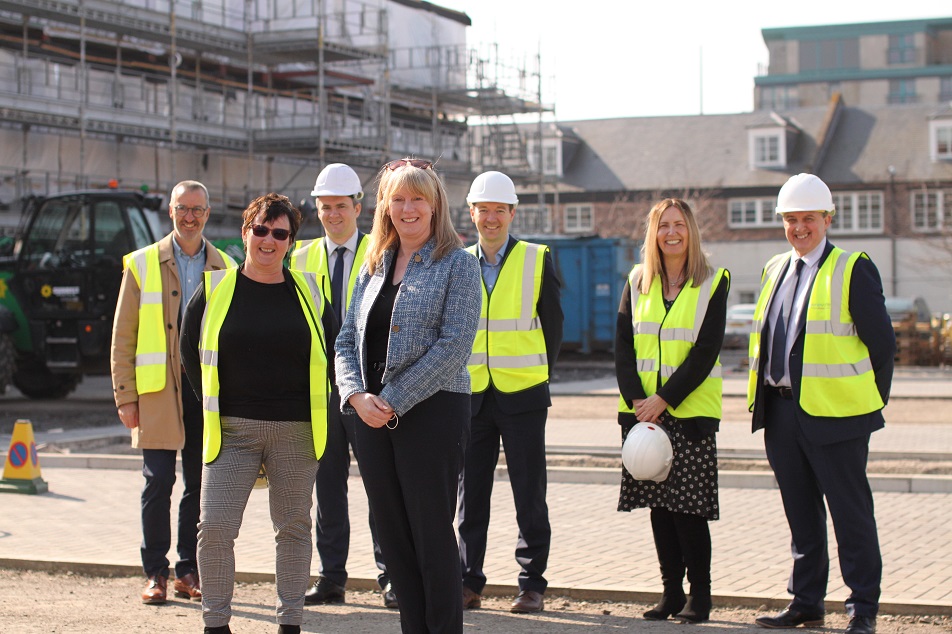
(624, 58)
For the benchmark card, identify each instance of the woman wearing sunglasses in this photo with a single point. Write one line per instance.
(401, 365)
(273, 414)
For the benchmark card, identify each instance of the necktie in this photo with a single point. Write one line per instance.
(337, 284)
(778, 350)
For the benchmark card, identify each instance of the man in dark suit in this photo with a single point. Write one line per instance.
(516, 346)
(821, 367)
(337, 258)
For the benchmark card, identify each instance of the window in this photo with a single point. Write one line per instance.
(932, 210)
(902, 91)
(551, 156)
(940, 139)
(820, 55)
(579, 218)
(858, 212)
(945, 89)
(902, 49)
(767, 148)
(746, 213)
(529, 219)
(778, 97)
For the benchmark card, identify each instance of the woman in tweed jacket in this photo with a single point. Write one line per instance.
(401, 365)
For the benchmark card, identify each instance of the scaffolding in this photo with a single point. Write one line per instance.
(247, 96)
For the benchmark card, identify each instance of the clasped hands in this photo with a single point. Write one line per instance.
(372, 409)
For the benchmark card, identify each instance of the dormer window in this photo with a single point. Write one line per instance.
(767, 148)
(940, 139)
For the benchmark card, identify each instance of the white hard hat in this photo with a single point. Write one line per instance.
(492, 187)
(337, 179)
(647, 453)
(805, 192)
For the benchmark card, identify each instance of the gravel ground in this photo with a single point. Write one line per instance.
(40, 602)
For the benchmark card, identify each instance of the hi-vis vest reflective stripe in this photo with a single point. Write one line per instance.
(151, 351)
(838, 378)
(509, 349)
(311, 256)
(219, 291)
(663, 341)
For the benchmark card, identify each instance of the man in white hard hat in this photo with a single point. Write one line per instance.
(514, 352)
(337, 257)
(820, 372)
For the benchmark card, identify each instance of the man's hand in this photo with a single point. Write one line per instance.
(129, 415)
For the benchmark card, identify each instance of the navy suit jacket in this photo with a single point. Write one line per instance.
(549, 308)
(868, 310)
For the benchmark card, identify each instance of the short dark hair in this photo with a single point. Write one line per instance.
(274, 206)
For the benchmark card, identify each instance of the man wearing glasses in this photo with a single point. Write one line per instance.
(152, 393)
(337, 258)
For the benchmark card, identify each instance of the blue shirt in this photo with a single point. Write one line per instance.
(491, 269)
(190, 268)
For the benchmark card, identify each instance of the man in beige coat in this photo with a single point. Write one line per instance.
(151, 391)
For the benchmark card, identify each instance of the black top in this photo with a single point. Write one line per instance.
(690, 374)
(264, 350)
(378, 330)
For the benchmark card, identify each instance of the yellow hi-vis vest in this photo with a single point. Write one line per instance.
(838, 378)
(663, 340)
(509, 349)
(219, 291)
(311, 256)
(151, 351)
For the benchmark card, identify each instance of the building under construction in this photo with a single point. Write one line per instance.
(249, 96)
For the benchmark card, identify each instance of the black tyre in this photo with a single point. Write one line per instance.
(8, 361)
(38, 382)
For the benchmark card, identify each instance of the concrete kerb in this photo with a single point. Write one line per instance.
(736, 600)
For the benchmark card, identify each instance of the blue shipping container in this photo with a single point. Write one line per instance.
(593, 272)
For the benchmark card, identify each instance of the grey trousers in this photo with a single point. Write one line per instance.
(287, 451)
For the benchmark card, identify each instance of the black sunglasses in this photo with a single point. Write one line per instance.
(417, 163)
(262, 231)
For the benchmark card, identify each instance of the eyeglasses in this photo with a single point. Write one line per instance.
(197, 212)
(262, 231)
(417, 163)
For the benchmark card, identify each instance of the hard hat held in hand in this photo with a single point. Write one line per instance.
(492, 187)
(337, 179)
(805, 192)
(647, 452)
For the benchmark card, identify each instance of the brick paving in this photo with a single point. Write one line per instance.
(90, 516)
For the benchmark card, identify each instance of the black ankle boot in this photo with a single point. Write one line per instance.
(697, 609)
(672, 601)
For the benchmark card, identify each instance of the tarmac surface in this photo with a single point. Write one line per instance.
(88, 521)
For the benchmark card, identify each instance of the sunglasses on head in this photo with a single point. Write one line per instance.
(262, 231)
(417, 163)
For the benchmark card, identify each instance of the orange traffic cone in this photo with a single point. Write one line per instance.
(21, 473)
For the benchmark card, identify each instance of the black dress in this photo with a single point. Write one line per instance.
(691, 485)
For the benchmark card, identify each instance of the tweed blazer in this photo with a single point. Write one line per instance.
(432, 328)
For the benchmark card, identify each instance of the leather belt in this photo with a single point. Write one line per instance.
(783, 392)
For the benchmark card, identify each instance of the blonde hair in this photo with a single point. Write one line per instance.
(697, 267)
(422, 182)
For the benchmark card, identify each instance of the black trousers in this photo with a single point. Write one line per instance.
(807, 473)
(158, 469)
(332, 528)
(523, 439)
(410, 474)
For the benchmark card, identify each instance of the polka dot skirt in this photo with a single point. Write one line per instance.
(691, 486)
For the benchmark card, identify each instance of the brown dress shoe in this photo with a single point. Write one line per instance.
(188, 587)
(154, 593)
(471, 600)
(527, 601)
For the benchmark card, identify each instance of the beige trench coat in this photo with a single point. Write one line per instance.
(160, 413)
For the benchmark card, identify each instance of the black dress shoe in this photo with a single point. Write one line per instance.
(791, 618)
(390, 597)
(288, 629)
(527, 601)
(324, 591)
(861, 625)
